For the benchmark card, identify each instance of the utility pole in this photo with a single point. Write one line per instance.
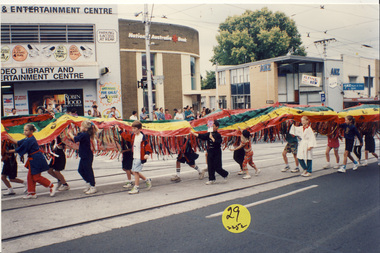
(148, 67)
(324, 42)
(369, 81)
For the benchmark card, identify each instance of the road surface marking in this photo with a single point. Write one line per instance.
(268, 200)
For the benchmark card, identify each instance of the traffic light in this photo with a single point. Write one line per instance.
(142, 83)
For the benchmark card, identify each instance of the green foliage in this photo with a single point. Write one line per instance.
(256, 35)
(209, 81)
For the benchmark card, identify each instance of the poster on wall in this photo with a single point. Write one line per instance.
(8, 104)
(57, 100)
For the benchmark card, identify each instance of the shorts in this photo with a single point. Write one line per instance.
(137, 165)
(349, 145)
(127, 161)
(59, 162)
(188, 158)
(333, 143)
(370, 145)
(291, 147)
(10, 168)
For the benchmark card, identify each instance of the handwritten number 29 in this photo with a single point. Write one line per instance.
(235, 210)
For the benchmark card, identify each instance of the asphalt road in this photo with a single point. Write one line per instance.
(340, 213)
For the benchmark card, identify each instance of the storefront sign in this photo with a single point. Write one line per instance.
(311, 80)
(353, 86)
(107, 36)
(265, 67)
(5, 54)
(109, 93)
(48, 73)
(335, 72)
(8, 103)
(174, 38)
(60, 100)
(34, 9)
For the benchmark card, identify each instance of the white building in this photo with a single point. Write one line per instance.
(60, 55)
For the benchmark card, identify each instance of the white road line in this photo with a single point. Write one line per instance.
(268, 200)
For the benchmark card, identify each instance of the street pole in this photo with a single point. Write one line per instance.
(148, 67)
(216, 86)
(369, 81)
(324, 42)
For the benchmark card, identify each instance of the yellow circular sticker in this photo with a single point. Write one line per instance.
(236, 218)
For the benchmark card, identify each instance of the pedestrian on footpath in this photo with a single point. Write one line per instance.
(57, 164)
(141, 150)
(350, 131)
(369, 142)
(291, 147)
(10, 169)
(187, 155)
(245, 142)
(127, 161)
(308, 142)
(36, 162)
(332, 143)
(214, 153)
(88, 131)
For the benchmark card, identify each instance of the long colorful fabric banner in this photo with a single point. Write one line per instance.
(166, 137)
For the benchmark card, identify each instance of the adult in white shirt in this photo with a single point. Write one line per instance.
(133, 116)
(179, 115)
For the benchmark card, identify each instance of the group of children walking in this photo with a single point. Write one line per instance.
(136, 151)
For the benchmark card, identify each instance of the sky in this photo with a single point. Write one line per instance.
(354, 24)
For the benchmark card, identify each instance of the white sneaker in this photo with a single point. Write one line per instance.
(148, 183)
(134, 191)
(295, 170)
(257, 172)
(241, 172)
(247, 177)
(356, 166)
(87, 187)
(306, 174)
(176, 179)
(365, 163)
(30, 196)
(210, 182)
(92, 190)
(64, 188)
(9, 192)
(342, 170)
(285, 169)
(327, 166)
(336, 166)
(128, 185)
(53, 189)
(202, 174)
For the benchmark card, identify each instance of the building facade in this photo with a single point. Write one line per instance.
(287, 79)
(60, 56)
(174, 63)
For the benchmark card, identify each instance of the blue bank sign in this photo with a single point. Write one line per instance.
(353, 86)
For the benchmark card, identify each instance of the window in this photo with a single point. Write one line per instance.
(143, 63)
(192, 72)
(352, 79)
(222, 102)
(222, 77)
(40, 33)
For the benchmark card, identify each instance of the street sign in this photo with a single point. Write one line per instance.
(323, 97)
(353, 86)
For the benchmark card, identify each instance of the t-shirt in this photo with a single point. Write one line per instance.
(133, 117)
(137, 146)
(142, 116)
(84, 144)
(179, 116)
(113, 115)
(291, 138)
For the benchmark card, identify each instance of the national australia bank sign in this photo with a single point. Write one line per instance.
(173, 38)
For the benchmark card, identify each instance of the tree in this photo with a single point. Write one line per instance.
(256, 35)
(209, 81)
